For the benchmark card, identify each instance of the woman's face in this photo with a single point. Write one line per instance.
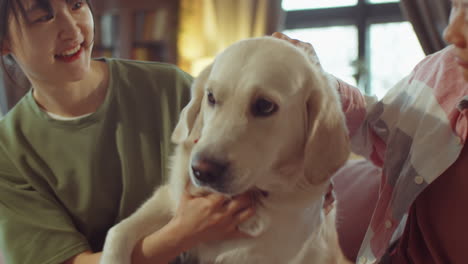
(456, 33)
(52, 44)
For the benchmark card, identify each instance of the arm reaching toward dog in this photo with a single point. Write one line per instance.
(198, 219)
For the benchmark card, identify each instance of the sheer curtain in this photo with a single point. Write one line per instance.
(429, 19)
(209, 26)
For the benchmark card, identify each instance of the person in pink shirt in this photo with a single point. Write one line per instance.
(409, 205)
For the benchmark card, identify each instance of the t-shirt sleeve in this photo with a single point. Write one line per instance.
(34, 227)
(184, 82)
(176, 98)
(360, 113)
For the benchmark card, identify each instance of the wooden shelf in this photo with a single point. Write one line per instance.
(123, 26)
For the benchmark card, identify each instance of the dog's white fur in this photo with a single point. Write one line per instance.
(290, 154)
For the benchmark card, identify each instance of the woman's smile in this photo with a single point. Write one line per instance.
(70, 55)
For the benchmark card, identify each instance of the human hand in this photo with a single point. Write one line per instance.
(211, 217)
(307, 47)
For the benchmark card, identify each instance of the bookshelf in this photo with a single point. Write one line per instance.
(136, 29)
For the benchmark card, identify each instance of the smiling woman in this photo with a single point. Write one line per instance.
(88, 143)
(48, 38)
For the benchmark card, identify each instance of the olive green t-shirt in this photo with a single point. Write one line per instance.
(63, 184)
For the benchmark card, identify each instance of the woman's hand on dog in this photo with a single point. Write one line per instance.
(211, 217)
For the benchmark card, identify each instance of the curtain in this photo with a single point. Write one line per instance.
(429, 19)
(209, 26)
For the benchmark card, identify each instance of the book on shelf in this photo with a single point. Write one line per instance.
(151, 25)
(144, 33)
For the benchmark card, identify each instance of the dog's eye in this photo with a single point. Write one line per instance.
(263, 107)
(211, 98)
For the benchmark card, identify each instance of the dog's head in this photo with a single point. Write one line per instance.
(263, 116)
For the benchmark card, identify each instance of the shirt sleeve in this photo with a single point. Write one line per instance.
(176, 98)
(34, 227)
(361, 113)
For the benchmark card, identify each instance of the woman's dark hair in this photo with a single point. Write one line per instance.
(13, 9)
(6, 8)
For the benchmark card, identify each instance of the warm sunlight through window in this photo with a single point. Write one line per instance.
(310, 4)
(336, 47)
(382, 1)
(368, 43)
(394, 51)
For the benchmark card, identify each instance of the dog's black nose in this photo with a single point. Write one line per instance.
(208, 171)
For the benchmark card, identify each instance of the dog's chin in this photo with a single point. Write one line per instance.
(216, 188)
(228, 190)
(222, 189)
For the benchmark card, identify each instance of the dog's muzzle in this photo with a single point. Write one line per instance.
(208, 171)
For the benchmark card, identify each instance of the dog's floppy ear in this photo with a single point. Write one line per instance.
(190, 122)
(327, 144)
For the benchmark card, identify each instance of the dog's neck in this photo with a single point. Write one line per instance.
(294, 199)
(278, 210)
(293, 189)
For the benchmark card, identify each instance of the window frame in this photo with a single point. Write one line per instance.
(362, 15)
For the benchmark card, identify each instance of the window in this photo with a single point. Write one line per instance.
(394, 51)
(307, 4)
(365, 43)
(383, 1)
(335, 56)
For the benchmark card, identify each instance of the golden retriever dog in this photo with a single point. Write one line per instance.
(265, 116)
